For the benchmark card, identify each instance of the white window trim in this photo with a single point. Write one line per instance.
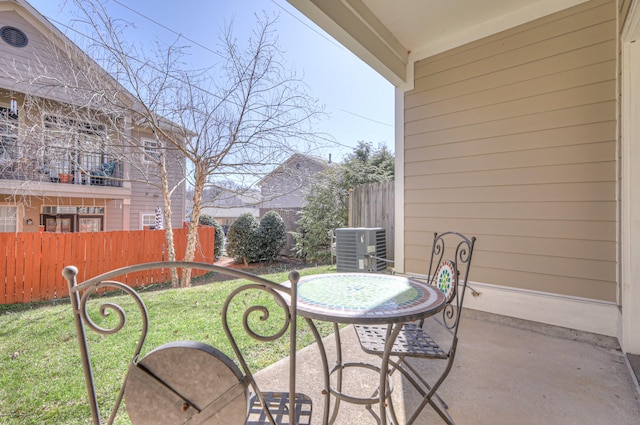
(148, 151)
(145, 215)
(19, 213)
(14, 135)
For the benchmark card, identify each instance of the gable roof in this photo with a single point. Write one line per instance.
(45, 64)
(291, 160)
(34, 62)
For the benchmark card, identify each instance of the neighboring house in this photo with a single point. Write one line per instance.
(64, 165)
(288, 185)
(285, 189)
(227, 206)
(517, 122)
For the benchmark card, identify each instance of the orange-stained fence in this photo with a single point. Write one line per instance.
(31, 263)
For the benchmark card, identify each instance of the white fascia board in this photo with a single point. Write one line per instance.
(363, 35)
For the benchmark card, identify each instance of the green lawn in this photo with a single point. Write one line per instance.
(41, 379)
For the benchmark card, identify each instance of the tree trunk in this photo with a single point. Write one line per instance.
(192, 234)
(168, 227)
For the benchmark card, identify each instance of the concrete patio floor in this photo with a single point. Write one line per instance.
(506, 371)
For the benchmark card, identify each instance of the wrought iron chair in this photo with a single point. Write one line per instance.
(187, 381)
(449, 271)
(101, 177)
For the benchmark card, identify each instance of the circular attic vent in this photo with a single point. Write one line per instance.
(13, 36)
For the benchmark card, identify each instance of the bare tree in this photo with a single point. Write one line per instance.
(238, 120)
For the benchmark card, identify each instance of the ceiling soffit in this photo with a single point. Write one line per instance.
(390, 35)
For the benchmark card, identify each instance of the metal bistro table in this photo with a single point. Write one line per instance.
(363, 298)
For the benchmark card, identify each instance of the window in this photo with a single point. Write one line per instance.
(8, 218)
(72, 219)
(74, 146)
(91, 145)
(89, 224)
(8, 135)
(59, 210)
(151, 151)
(149, 220)
(60, 224)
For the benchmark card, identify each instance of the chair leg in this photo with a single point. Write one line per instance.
(444, 413)
(410, 374)
(429, 397)
(425, 383)
(429, 393)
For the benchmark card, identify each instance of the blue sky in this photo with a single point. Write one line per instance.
(358, 101)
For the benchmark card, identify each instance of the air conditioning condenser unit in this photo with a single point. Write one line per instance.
(355, 245)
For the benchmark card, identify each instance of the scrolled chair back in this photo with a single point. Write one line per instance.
(449, 266)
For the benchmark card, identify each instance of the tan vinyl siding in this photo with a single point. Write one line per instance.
(144, 197)
(22, 59)
(513, 139)
(26, 65)
(114, 210)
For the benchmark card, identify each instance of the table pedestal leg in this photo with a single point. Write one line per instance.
(325, 370)
(336, 332)
(393, 330)
(381, 397)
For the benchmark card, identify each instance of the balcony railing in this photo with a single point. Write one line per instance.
(64, 167)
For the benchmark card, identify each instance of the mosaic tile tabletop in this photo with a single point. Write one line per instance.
(366, 298)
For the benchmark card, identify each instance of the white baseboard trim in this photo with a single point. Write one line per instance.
(581, 314)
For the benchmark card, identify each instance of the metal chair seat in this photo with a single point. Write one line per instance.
(278, 405)
(412, 340)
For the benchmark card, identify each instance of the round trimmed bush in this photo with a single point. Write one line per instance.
(243, 239)
(218, 242)
(273, 236)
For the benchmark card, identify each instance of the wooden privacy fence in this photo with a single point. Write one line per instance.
(31, 263)
(373, 205)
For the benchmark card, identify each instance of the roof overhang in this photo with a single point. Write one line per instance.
(391, 35)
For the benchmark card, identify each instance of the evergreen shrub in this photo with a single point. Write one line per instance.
(243, 239)
(273, 236)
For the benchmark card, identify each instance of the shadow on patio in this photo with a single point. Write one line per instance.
(506, 372)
